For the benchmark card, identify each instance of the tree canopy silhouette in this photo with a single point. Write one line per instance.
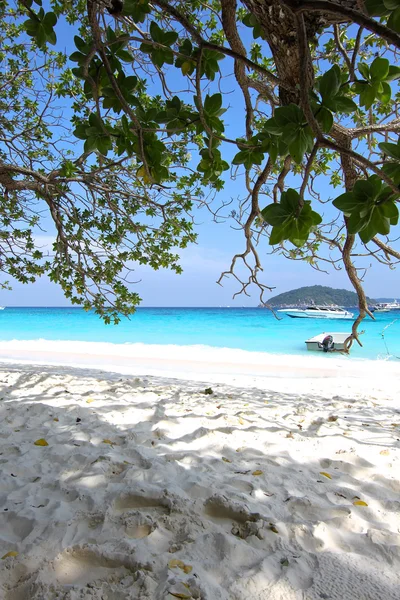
(122, 135)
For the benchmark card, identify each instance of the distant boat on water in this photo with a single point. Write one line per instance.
(2, 307)
(386, 306)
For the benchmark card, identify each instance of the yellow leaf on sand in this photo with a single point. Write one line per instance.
(326, 474)
(56, 420)
(107, 442)
(241, 422)
(384, 452)
(360, 503)
(175, 562)
(226, 459)
(89, 400)
(41, 442)
(12, 553)
(258, 472)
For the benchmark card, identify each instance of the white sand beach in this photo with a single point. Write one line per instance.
(281, 484)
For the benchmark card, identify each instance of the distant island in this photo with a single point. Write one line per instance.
(316, 294)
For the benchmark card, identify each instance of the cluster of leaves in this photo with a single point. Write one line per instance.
(136, 9)
(40, 25)
(370, 208)
(126, 120)
(375, 83)
(292, 219)
(95, 133)
(160, 53)
(389, 9)
(212, 164)
(333, 89)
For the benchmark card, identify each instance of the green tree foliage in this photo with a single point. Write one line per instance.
(119, 137)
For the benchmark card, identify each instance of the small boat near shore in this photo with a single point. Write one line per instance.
(317, 312)
(327, 342)
(2, 307)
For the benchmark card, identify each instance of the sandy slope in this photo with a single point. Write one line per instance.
(151, 489)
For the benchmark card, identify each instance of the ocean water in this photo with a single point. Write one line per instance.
(242, 328)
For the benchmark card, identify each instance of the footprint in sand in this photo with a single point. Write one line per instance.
(225, 513)
(138, 531)
(308, 511)
(139, 502)
(81, 566)
(15, 528)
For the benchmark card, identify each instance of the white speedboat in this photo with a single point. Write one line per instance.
(2, 307)
(387, 306)
(380, 308)
(317, 312)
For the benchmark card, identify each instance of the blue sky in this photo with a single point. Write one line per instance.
(203, 263)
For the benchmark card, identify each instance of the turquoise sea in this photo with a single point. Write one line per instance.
(251, 329)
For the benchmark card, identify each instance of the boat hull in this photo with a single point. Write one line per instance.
(324, 317)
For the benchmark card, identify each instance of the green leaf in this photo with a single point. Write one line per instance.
(170, 38)
(278, 235)
(52, 38)
(80, 131)
(137, 9)
(330, 82)
(271, 126)
(391, 4)
(367, 189)
(78, 57)
(345, 105)
(103, 144)
(41, 36)
(367, 96)
(394, 73)
(347, 203)
(386, 93)
(394, 20)
(125, 56)
(392, 150)
(274, 214)
(157, 34)
(81, 45)
(380, 222)
(364, 70)
(212, 104)
(290, 200)
(379, 69)
(298, 147)
(188, 67)
(376, 8)
(325, 119)
(290, 114)
(356, 222)
(391, 211)
(90, 144)
(130, 83)
(392, 170)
